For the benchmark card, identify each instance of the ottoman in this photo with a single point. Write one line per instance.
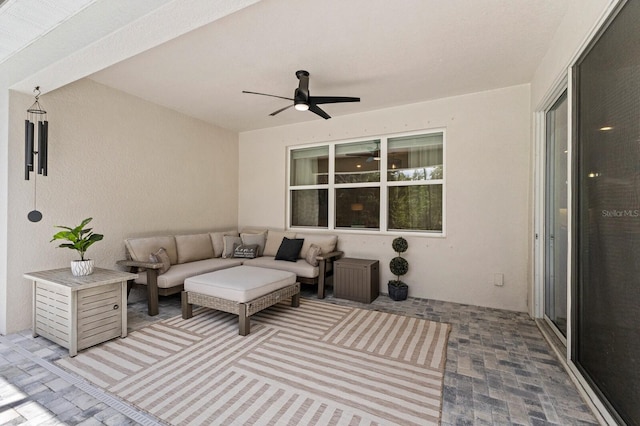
(241, 290)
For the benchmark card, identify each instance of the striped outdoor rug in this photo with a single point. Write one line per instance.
(318, 364)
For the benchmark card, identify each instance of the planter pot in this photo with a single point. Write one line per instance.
(80, 268)
(398, 292)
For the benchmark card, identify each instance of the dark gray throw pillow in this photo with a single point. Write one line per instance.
(246, 251)
(290, 249)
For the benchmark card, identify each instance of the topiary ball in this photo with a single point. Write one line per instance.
(400, 245)
(399, 266)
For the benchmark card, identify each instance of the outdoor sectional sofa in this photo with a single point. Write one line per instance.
(189, 255)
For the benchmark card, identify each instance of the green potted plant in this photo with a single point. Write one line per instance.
(79, 239)
(398, 290)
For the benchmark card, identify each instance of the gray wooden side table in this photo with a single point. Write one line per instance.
(78, 312)
(356, 279)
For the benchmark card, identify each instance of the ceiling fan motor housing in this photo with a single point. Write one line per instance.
(301, 94)
(300, 101)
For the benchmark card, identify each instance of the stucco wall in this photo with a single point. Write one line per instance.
(487, 199)
(135, 167)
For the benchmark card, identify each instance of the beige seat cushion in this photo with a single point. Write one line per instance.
(301, 268)
(327, 243)
(194, 247)
(240, 284)
(140, 248)
(178, 273)
(274, 239)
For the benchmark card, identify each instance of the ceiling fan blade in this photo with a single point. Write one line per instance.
(280, 110)
(331, 99)
(317, 110)
(266, 94)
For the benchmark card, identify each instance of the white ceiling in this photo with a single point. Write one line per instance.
(24, 21)
(387, 53)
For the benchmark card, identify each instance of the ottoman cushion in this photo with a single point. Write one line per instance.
(301, 268)
(241, 283)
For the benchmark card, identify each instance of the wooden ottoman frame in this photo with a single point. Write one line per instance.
(243, 310)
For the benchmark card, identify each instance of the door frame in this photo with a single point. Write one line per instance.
(562, 83)
(543, 200)
(540, 254)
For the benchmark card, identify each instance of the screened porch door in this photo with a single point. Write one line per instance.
(556, 231)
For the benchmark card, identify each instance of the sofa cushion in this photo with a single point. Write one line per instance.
(289, 249)
(178, 273)
(327, 243)
(258, 239)
(274, 239)
(301, 268)
(312, 253)
(230, 242)
(161, 256)
(140, 248)
(218, 242)
(194, 247)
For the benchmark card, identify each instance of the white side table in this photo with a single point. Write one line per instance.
(78, 312)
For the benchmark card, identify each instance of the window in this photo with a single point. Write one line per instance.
(309, 175)
(357, 185)
(383, 184)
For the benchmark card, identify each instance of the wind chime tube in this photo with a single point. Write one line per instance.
(28, 148)
(40, 145)
(31, 137)
(43, 130)
(45, 147)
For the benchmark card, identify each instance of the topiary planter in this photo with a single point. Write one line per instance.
(398, 290)
(399, 266)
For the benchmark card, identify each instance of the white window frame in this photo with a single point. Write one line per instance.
(383, 184)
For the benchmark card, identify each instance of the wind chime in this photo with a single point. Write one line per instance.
(35, 113)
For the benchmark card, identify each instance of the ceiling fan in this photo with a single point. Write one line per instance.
(303, 101)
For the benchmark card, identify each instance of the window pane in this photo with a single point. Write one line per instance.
(415, 158)
(358, 162)
(358, 208)
(310, 166)
(416, 207)
(606, 326)
(310, 207)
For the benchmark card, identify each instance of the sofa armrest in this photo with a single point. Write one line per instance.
(153, 269)
(330, 256)
(135, 263)
(324, 271)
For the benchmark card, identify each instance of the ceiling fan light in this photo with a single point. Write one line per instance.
(301, 106)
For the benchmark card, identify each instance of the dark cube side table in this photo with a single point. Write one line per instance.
(356, 279)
